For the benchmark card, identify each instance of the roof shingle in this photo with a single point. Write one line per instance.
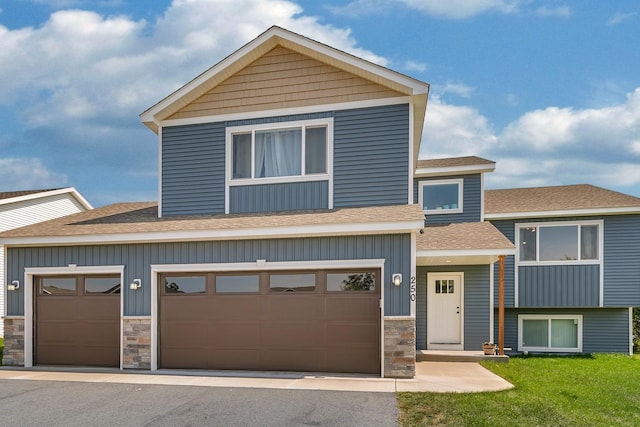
(462, 236)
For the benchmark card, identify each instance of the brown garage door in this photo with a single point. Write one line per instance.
(322, 321)
(78, 321)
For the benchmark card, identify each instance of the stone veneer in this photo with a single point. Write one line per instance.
(136, 343)
(13, 354)
(399, 347)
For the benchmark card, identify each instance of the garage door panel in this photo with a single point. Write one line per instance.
(351, 333)
(100, 308)
(353, 308)
(292, 335)
(235, 358)
(294, 307)
(184, 358)
(236, 307)
(356, 360)
(231, 334)
(96, 332)
(185, 308)
(291, 359)
(186, 334)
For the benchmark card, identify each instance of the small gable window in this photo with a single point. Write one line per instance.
(441, 196)
(280, 152)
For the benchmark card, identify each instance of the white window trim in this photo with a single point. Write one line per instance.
(549, 317)
(599, 261)
(458, 181)
(328, 122)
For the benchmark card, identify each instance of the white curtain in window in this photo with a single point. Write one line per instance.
(278, 153)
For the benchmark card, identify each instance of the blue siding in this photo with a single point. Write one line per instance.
(137, 258)
(193, 169)
(371, 156)
(476, 304)
(279, 197)
(559, 286)
(604, 330)
(622, 261)
(471, 199)
(508, 229)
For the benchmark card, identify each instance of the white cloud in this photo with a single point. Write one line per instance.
(455, 88)
(620, 17)
(414, 66)
(553, 11)
(28, 174)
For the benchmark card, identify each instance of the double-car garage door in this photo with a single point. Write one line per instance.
(322, 321)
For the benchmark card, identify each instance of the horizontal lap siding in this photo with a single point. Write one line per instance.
(559, 286)
(476, 304)
(137, 258)
(622, 261)
(603, 330)
(193, 165)
(507, 228)
(371, 156)
(471, 199)
(279, 197)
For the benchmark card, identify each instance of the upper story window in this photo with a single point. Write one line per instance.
(560, 242)
(279, 151)
(441, 196)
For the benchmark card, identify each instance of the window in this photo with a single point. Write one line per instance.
(292, 282)
(237, 284)
(441, 196)
(58, 286)
(185, 284)
(351, 282)
(559, 242)
(279, 151)
(102, 285)
(550, 333)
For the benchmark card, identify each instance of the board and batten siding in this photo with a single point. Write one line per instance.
(507, 228)
(137, 259)
(476, 312)
(471, 199)
(280, 79)
(371, 156)
(604, 330)
(622, 261)
(290, 196)
(193, 162)
(27, 212)
(559, 286)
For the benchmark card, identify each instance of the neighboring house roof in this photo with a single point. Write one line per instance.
(564, 200)
(275, 37)
(139, 222)
(453, 165)
(19, 196)
(461, 243)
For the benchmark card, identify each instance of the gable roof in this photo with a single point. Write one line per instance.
(20, 196)
(563, 200)
(453, 165)
(272, 38)
(139, 222)
(463, 236)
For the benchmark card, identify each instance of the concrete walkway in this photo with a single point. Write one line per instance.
(438, 377)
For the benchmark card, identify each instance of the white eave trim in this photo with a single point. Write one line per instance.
(454, 170)
(222, 234)
(465, 252)
(564, 213)
(70, 190)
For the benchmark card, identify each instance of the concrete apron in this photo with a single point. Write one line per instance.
(436, 377)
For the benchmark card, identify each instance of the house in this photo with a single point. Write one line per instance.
(22, 208)
(295, 230)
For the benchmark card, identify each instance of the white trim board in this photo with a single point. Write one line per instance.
(454, 170)
(69, 190)
(564, 213)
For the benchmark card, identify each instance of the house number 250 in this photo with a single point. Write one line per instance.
(413, 288)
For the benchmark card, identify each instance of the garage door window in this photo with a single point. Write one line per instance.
(238, 284)
(178, 285)
(58, 286)
(292, 282)
(351, 282)
(102, 285)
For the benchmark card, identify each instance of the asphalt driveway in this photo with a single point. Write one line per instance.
(58, 403)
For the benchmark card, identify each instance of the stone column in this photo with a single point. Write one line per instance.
(136, 343)
(13, 354)
(399, 347)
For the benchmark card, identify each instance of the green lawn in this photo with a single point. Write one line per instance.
(599, 390)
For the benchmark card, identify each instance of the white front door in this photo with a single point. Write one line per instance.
(444, 311)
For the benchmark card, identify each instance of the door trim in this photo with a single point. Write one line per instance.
(430, 323)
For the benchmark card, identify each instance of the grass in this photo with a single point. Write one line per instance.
(599, 390)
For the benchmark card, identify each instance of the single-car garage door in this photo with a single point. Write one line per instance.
(77, 321)
(322, 321)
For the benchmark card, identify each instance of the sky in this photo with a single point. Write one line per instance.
(549, 89)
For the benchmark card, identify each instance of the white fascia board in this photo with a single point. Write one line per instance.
(454, 170)
(563, 213)
(465, 252)
(70, 190)
(224, 234)
(261, 265)
(288, 111)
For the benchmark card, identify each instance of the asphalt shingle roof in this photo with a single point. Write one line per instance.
(453, 162)
(462, 236)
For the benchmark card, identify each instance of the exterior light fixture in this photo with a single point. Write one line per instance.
(135, 284)
(397, 279)
(15, 284)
